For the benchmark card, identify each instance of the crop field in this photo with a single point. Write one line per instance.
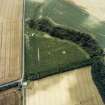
(70, 88)
(45, 53)
(10, 97)
(62, 35)
(64, 52)
(10, 40)
(82, 15)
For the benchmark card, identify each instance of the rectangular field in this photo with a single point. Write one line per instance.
(10, 40)
(10, 97)
(70, 88)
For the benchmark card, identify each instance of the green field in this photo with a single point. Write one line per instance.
(68, 15)
(45, 53)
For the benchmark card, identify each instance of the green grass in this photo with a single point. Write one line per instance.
(68, 15)
(54, 53)
(51, 57)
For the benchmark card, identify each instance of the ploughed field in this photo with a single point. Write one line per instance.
(10, 97)
(11, 14)
(10, 40)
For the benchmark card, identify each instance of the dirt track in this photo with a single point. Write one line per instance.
(10, 40)
(70, 88)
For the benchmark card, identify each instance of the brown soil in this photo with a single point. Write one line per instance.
(10, 97)
(10, 40)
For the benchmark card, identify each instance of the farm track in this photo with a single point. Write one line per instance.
(10, 40)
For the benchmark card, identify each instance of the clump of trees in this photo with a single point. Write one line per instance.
(98, 74)
(82, 39)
